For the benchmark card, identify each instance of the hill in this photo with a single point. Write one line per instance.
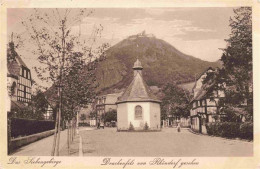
(162, 64)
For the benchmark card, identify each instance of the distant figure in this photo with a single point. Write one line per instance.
(179, 127)
(98, 126)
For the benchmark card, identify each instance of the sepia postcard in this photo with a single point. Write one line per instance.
(130, 84)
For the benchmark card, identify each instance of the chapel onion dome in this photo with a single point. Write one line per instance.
(137, 65)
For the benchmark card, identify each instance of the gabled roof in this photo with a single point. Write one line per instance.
(200, 95)
(13, 68)
(210, 68)
(112, 98)
(11, 51)
(138, 90)
(187, 86)
(203, 90)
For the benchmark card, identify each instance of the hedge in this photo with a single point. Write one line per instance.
(25, 127)
(84, 124)
(246, 130)
(231, 129)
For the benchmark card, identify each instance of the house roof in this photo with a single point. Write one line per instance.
(200, 95)
(13, 68)
(138, 89)
(187, 86)
(112, 98)
(202, 91)
(11, 51)
(210, 68)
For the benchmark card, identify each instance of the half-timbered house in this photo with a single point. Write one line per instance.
(203, 107)
(19, 75)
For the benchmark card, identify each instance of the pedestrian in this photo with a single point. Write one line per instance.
(98, 124)
(179, 127)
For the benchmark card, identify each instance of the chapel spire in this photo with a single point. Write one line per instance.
(137, 67)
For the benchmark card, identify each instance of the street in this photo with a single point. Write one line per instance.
(168, 142)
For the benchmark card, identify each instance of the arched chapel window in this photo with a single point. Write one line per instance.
(138, 112)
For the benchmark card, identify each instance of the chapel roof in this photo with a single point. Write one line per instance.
(138, 89)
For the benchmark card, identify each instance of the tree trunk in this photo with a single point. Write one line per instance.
(58, 127)
(68, 138)
(58, 139)
(55, 136)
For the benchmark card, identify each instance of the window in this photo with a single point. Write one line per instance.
(24, 73)
(138, 112)
(24, 91)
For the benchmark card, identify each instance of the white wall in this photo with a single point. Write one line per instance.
(195, 123)
(155, 116)
(122, 117)
(131, 114)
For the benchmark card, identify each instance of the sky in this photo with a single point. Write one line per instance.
(199, 32)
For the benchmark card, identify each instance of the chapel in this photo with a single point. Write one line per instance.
(138, 107)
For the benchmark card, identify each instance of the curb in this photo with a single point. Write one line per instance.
(80, 147)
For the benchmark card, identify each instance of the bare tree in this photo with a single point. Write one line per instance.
(57, 47)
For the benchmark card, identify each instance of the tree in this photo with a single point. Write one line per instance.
(39, 105)
(237, 57)
(235, 77)
(175, 102)
(83, 117)
(111, 116)
(35, 109)
(80, 85)
(93, 114)
(58, 46)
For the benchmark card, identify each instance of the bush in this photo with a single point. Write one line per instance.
(231, 129)
(225, 129)
(246, 130)
(212, 129)
(131, 127)
(146, 127)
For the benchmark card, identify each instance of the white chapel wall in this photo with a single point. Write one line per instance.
(131, 114)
